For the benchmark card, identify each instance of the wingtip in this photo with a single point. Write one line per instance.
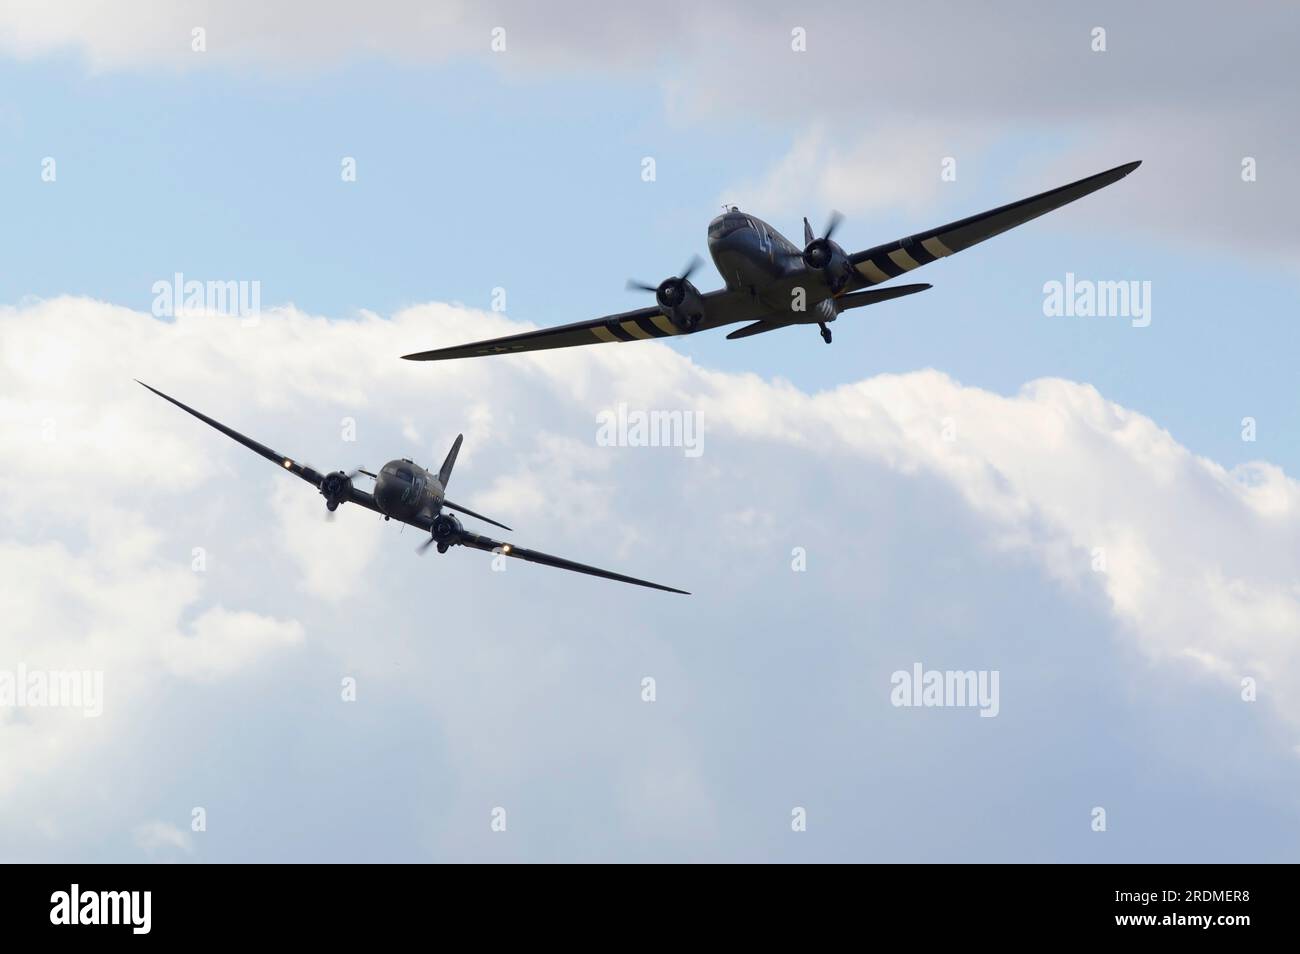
(1130, 166)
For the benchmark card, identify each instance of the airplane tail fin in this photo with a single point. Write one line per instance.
(444, 472)
(444, 475)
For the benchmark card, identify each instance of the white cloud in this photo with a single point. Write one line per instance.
(896, 167)
(508, 669)
(153, 837)
(331, 554)
(878, 98)
(223, 643)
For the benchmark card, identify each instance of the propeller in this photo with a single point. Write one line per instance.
(332, 487)
(816, 251)
(832, 224)
(444, 532)
(691, 265)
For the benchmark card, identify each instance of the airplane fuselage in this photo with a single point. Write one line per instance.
(752, 256)
(405, 491)
(748, 252)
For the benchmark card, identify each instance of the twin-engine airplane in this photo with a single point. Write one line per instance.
(408, 493)
(773, 284)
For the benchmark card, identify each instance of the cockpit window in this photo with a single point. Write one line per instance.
(412, 486)
(726, 224)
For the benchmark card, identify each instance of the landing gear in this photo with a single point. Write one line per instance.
(826, 332)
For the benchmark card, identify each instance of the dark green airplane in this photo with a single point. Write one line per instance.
(774, 284)
(408, 493)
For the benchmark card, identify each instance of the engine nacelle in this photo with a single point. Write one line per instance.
(680, 302)
(445, 526)
(828, 258)
(336, 488)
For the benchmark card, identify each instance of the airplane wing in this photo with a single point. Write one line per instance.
(884, 262)
(721, 307)
(480, 542)
(307, 473)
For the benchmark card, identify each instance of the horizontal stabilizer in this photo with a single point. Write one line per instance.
(470, 513)
(758, 327)
(874, 295)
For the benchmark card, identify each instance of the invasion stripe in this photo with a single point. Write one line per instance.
(903, 260)
(635, 330)
(618, 332)
(886, 265)
(663, 324)
(648, 326)
(602, 333)
(935, 247)
(919, 252)
(869, 268)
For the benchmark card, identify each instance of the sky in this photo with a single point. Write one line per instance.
(1101, 513)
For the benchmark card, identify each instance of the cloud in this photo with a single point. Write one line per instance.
(827, 170)
(223, 643)
(941, 522)
(331, 553)
(1017, 95)
(154, 837)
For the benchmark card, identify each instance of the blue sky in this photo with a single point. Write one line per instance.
(202, 174)
(482, 689)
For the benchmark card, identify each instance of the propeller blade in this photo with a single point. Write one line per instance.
(834, 223)
(691, 266)
(424, 546)
(634, 285)
(361, 470)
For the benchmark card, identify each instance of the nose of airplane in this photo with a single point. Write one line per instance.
(386, 492)
(727, 250)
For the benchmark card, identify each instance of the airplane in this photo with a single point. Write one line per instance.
(406, 492)
(773, 284)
